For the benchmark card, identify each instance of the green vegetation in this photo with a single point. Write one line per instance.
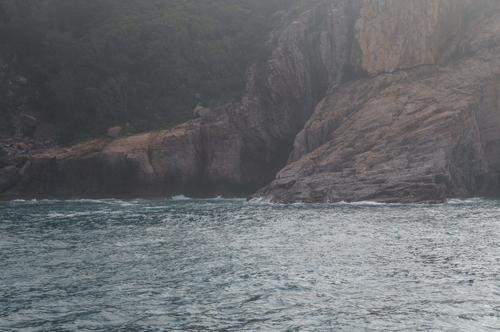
(99, 63)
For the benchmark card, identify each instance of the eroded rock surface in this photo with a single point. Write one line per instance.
(414, 140)
(419, 135)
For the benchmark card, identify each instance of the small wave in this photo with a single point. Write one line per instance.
(98, 201)
(365, 203)
(109, 201)
(267, 200)
(57, 215)
(179, 198)
(371, 203)
(464, 201)
(233, 199)
(126, 204)
(31, 201)
(79, 214)
(74, 200)
(260, 200)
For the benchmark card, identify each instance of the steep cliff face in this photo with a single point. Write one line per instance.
(383, 100)
(422, 134)
(313, 53)
(400, 34)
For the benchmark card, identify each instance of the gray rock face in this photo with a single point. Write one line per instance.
(21, 79)
(313, 53)
(201, 111)
(421, 124)
(114, 132)
(9, 178)
(29, 121)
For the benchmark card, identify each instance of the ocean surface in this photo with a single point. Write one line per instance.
(232, 265)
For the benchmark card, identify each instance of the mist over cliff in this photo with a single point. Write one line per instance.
(393, 101)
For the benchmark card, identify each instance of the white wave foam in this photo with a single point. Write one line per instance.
(464, 201)
(267, 200)
(56, 215)
(79, 214)
(235, 199)
(125, 204)
(180, 197)
(366, 203)
(260, 200)
(30, 201)
(370, 203)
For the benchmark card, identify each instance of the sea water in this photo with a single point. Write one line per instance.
(232, 265)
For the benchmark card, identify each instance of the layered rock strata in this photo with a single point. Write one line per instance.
(420, 135)
(423, 134)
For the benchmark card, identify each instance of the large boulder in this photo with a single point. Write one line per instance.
(114, 132)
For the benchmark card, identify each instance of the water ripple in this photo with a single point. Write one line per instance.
(229, 265)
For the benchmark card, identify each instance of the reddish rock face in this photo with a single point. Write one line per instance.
(401, 34)
(421, 123)
(407, 139)
(417, 135)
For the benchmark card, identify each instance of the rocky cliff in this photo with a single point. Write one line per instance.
(393, 100)
(400, 34)
(426, 133)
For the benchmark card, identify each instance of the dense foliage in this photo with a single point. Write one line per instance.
(97, 63)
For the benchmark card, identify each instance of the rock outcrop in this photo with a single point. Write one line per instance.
(406, 140)
(386, 100)
(423, 134)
